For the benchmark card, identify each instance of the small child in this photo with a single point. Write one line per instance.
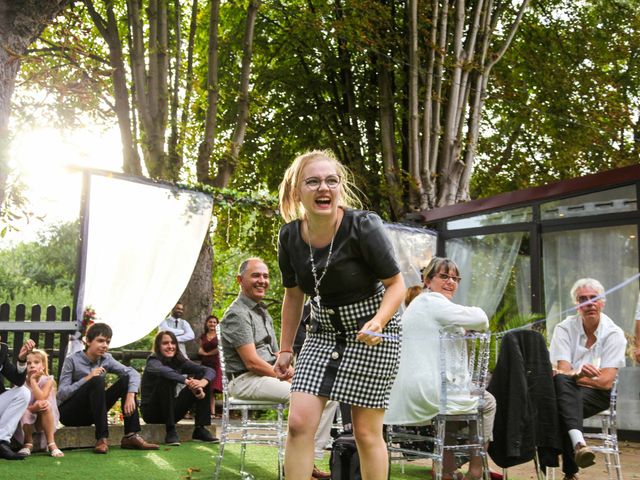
(43, 410)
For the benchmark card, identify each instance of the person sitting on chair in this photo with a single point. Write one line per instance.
(415, 396)
(83, 398)
(13, 402)
(250, 348)
(165, 369)
(588, 349)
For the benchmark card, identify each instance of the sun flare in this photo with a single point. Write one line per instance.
(46, 160)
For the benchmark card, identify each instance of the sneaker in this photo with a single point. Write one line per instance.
(584, 456)
(202, 434)
(172, 438)
(136, 442)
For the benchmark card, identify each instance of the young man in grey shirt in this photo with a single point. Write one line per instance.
(83, 399)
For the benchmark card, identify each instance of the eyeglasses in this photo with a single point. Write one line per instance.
(588, 298)
(313, 183)
(444, 277)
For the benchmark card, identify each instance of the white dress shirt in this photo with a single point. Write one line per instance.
(569, 344)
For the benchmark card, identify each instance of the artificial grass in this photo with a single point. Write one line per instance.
(190, 461)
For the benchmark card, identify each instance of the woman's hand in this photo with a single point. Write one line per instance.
(282, 367)
(372, 325)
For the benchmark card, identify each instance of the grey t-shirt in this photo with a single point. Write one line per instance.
(242, 324)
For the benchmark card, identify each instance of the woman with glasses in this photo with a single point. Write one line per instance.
(342, 259)
(415, 397)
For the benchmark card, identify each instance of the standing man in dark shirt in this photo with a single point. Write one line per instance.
(13, 402)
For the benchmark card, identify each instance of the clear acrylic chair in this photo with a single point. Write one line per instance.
(606, 440)
(464, 363)
(247, 431)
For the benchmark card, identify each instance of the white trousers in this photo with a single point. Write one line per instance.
(250, 386)
(13, 404)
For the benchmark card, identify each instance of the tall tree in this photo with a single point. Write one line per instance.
(153, 92)
(20, 24)
(565, 100)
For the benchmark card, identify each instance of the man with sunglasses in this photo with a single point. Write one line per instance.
(588, 349)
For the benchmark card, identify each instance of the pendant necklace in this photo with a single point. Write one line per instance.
(316, 280)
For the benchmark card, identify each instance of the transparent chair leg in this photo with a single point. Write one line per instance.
(243, 445)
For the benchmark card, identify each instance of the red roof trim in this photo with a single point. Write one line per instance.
(595, 181)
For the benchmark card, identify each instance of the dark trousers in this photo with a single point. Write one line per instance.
(164, 407)
(91, 402)
(575, 403)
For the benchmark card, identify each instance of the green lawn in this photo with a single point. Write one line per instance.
(190, 461)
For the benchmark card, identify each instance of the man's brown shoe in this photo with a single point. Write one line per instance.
(101, 446)
(584, 456)
(136, 442)
(319, 474)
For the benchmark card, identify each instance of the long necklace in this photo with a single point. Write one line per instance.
(316, 280)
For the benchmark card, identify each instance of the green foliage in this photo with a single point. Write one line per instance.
(564, 100)
(244, 230)
(43, 271)
(57, 296)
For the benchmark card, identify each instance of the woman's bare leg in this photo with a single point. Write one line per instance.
(304, 416)
(372, 449)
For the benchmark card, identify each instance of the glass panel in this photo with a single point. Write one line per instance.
(609, 255)
(487, 265)
(622, 199)
(516, 215)
(413, 247)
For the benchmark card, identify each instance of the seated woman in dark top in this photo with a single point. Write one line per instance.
(165, 368)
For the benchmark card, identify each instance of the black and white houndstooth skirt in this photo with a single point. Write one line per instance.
(333, 364)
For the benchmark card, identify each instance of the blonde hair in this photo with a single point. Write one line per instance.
(290, 206)
(44, 358)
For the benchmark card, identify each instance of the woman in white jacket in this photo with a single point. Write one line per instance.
(415, 396)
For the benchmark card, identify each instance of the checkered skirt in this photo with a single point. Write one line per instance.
(333, 364)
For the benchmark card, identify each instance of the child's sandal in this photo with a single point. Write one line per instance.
(25, 451)
(54, 451)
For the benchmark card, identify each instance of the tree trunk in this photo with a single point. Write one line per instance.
(414, 114)
(206, 146)
(197, 305)
(20, 24)
(387, 130)
(228, 164)
(109, 30)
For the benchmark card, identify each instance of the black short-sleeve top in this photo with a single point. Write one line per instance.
(362, 256)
